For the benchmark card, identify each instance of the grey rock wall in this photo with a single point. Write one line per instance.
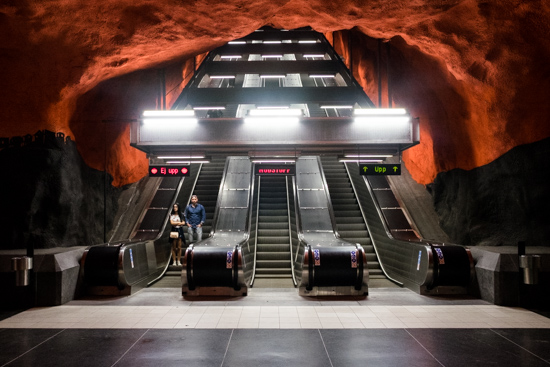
(49, 197)
(498, 204)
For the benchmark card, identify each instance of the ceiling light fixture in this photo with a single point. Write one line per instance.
(380, 111)
(322, 75)
(209, 108)
(337, 106)
(168, 113)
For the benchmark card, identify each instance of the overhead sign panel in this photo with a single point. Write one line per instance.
(169, 171)
(380, 169)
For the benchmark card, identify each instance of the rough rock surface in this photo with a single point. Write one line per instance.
(52, 198)
(474, 71)
(501, 203)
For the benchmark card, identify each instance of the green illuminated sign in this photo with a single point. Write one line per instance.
(380, 169)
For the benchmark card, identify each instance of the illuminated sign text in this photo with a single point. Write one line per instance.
(169, 171)
(275, 170)
(380, 169)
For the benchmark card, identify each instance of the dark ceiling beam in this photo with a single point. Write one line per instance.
(272, 67)
(266, 49)
(333, 95)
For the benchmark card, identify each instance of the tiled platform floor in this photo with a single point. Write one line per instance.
(276, 327)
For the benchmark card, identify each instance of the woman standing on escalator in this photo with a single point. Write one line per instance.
(177, 221)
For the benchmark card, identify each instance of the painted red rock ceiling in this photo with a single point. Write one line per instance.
(475, 72)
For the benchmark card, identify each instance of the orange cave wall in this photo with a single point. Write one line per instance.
(474, 72)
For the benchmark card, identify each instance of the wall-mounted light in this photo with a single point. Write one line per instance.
(209, 108)
(188, 157)
(367, 156)
(270, 115)
(380, 111)
(322, 75)
(168, 118)
(189, 162)
(337, 106)
(168, 113)
(272, 107)
(359, 160)
(383, 117)
(275, 112)
(222, 76)
(272, 76)
(273, 160)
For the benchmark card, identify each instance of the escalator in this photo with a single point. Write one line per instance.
(425, 267)
(123, 267)
(349, 220)
(217, 265)
(273, 255)
(206, 186)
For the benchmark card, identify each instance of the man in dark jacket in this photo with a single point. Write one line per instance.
(195, 215)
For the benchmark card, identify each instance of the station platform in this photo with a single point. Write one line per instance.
(276, 327)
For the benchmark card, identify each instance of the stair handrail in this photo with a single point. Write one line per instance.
(290, 233)
(256, 237)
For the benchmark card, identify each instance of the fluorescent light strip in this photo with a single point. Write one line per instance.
(209, 108)
(313, 55)
(222, 76)
(272, 107)
(271, 56)
(272, 76)
(168, 113)
(361, 160)
(307, 41)
(167, 122)
(383, 119)
(237, 42)
(380, 111)
(182, 157)
(276, 112)
(338, 107)
(322, 75)
(368, 155)
(279, 120)
(230, 56)
(267, 160)
(271, 42)
(186, 162)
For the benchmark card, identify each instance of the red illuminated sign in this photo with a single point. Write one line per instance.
(275, 169)
(169, 171)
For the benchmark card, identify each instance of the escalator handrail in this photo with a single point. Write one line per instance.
(219, 198)
(257, 226)
(329, 201)
(299, 232)
(290, 233)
